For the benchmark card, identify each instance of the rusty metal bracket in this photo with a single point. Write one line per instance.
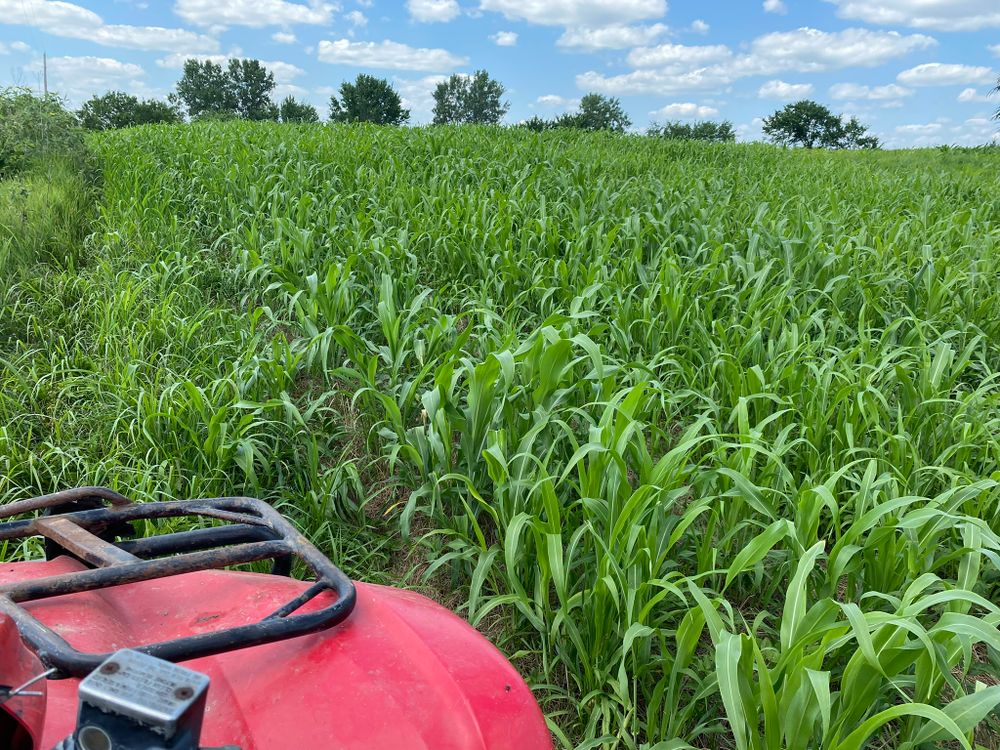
(254, 532)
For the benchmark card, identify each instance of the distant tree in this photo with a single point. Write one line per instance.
(537, 124)
(809, 124)
(854, 135)
(713, 132)
(475, 99)
(599, 112)
(116, 109)
(291, 110)
(36, 130)
(368, 99)
(250, 85)
(204, 90)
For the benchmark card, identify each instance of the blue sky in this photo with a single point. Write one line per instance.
(917, 71)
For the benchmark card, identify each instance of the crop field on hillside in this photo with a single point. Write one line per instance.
(704, 438)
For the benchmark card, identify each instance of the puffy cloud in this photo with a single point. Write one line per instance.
(388, 54)
(944, 15)
(418, 95)
(812, 50)
(684, 111)
(856, 92)
(73, 21)
(433, 11)
(775, 6)
(656, 81)
(929, 128)
(972, 95)
(284, 37)
(784, 91)
(613, 36)
(556, 101)
(78, 78)
(571, 13)
(357, 18)
(700, 27)
(505, 38)
(678, 54)
(946, 74)
(253, 13)
(673, 68)
(995, 49)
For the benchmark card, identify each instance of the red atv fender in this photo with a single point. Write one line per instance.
(398, 672)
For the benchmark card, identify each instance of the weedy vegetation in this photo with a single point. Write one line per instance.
(704, 436)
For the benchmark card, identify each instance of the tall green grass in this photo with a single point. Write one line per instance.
(706, 437)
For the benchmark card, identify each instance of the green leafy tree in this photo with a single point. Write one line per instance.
(475, 99)
(116, 109)
(250, 85)
(291, 110)
(36, 130)
(537, 124)
(204, 90)
(368, 99)
(712, 132)
(854, 135)
(599, 112)
(809, 124)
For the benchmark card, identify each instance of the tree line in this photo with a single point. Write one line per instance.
(242, 89)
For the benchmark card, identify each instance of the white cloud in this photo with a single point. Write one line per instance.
(775, 6)
(253, 13)
(505, 38)
(995, 49)
(418, 95)
(684, 111)
(945, 74)
(284, 37)
(673, 68)
(288, 89)
(555, 101)
(663, 81)
(929, 128)
(700, 27)
(357, 18)
(433, 11)
(674, 54)
(6, 49)
(784, 91)
(811, 50)
(614, 36)
(856, 92)
(73, 21)
(944, 15)
(79, 78)
(571, 13)
(388, 54)
(972, 95)
(283, 72)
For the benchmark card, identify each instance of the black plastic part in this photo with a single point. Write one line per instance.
(255, 532)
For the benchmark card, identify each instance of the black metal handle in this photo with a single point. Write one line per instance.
(255, 532)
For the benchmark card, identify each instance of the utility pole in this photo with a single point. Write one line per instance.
(45, 73)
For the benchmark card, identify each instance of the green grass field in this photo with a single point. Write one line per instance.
(705, 438)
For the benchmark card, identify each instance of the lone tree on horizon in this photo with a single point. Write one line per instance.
(368, 99)
(242, 90)
(473, 100)
(811, 125)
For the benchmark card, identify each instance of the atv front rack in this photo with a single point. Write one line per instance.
(80, 523)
